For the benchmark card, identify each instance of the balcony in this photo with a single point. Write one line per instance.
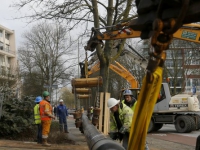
(5, 75)
(8, 52)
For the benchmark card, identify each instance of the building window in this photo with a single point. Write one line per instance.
(1, 33)
(1, 46)
(7, 36)
(7, 48)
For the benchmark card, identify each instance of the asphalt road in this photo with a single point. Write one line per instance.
(169, 133)
(171, 129)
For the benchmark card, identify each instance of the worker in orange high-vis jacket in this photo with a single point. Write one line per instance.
(46, 117)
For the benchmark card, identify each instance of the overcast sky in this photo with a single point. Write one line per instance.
(6, 19)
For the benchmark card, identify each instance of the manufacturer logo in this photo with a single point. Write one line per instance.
(189, 35)
(178, 105)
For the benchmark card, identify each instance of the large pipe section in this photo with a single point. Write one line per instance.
(83, 96)
(86, 82)
(81, 90)
(95, 139)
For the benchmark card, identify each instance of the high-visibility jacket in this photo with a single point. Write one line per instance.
(125, 116)
(37, 114)
(132, 106)
(45, 110)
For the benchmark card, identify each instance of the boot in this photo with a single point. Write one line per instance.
(44, 142)
(66, 131)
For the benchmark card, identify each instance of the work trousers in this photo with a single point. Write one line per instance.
(39, 133)
(63, 122)
(45, 128)
(125, 140)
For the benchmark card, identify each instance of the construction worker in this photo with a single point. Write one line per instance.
(91, 111)
(193, 89)
(46, 117)
(37, 119)
(62, 115)
(120, 121)
(55, 110)
(131, 102)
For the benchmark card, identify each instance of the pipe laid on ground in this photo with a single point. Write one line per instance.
(95, 139)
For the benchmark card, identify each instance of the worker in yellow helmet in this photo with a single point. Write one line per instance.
(120, 121)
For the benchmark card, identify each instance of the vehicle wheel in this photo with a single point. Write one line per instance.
(182, 124)
(151, 126)
(193, 125)
(198, 122)
(158, 126)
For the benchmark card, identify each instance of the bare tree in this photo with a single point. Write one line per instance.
(68, 97)
(45, 55)
(81, 13)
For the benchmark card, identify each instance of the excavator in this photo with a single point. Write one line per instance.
(168, 109)
(159, 20)
(120, 70)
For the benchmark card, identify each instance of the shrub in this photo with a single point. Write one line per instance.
(17, 117)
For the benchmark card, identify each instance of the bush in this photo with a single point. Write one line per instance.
(17, 117)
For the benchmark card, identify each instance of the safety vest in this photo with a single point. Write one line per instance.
(37, 114)
(45, 110)
(125, 116)
(132, 107)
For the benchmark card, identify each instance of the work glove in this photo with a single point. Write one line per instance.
(113, 135)
(122, 130)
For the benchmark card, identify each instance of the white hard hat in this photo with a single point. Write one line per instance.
(112, 102)
(61, 100)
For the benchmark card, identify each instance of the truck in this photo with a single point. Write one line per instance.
(182, 110)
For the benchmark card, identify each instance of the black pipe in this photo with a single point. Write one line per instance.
(95, 139)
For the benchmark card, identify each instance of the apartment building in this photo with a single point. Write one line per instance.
(8, 57)
(182, 66)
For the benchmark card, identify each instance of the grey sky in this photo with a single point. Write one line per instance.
(6, 19)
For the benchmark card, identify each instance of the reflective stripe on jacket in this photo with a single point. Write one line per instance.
(132, 107)
(45, 110)
(37, 114)
(125, 116)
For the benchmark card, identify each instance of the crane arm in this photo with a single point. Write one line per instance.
(120, 70)
(124, 73)
(188, 32)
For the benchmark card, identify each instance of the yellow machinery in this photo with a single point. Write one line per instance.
(162, 21)
(120, 70)
(188, 32)
(152, 81)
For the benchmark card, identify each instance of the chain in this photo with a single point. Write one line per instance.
(162, 37)
(86, 65)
